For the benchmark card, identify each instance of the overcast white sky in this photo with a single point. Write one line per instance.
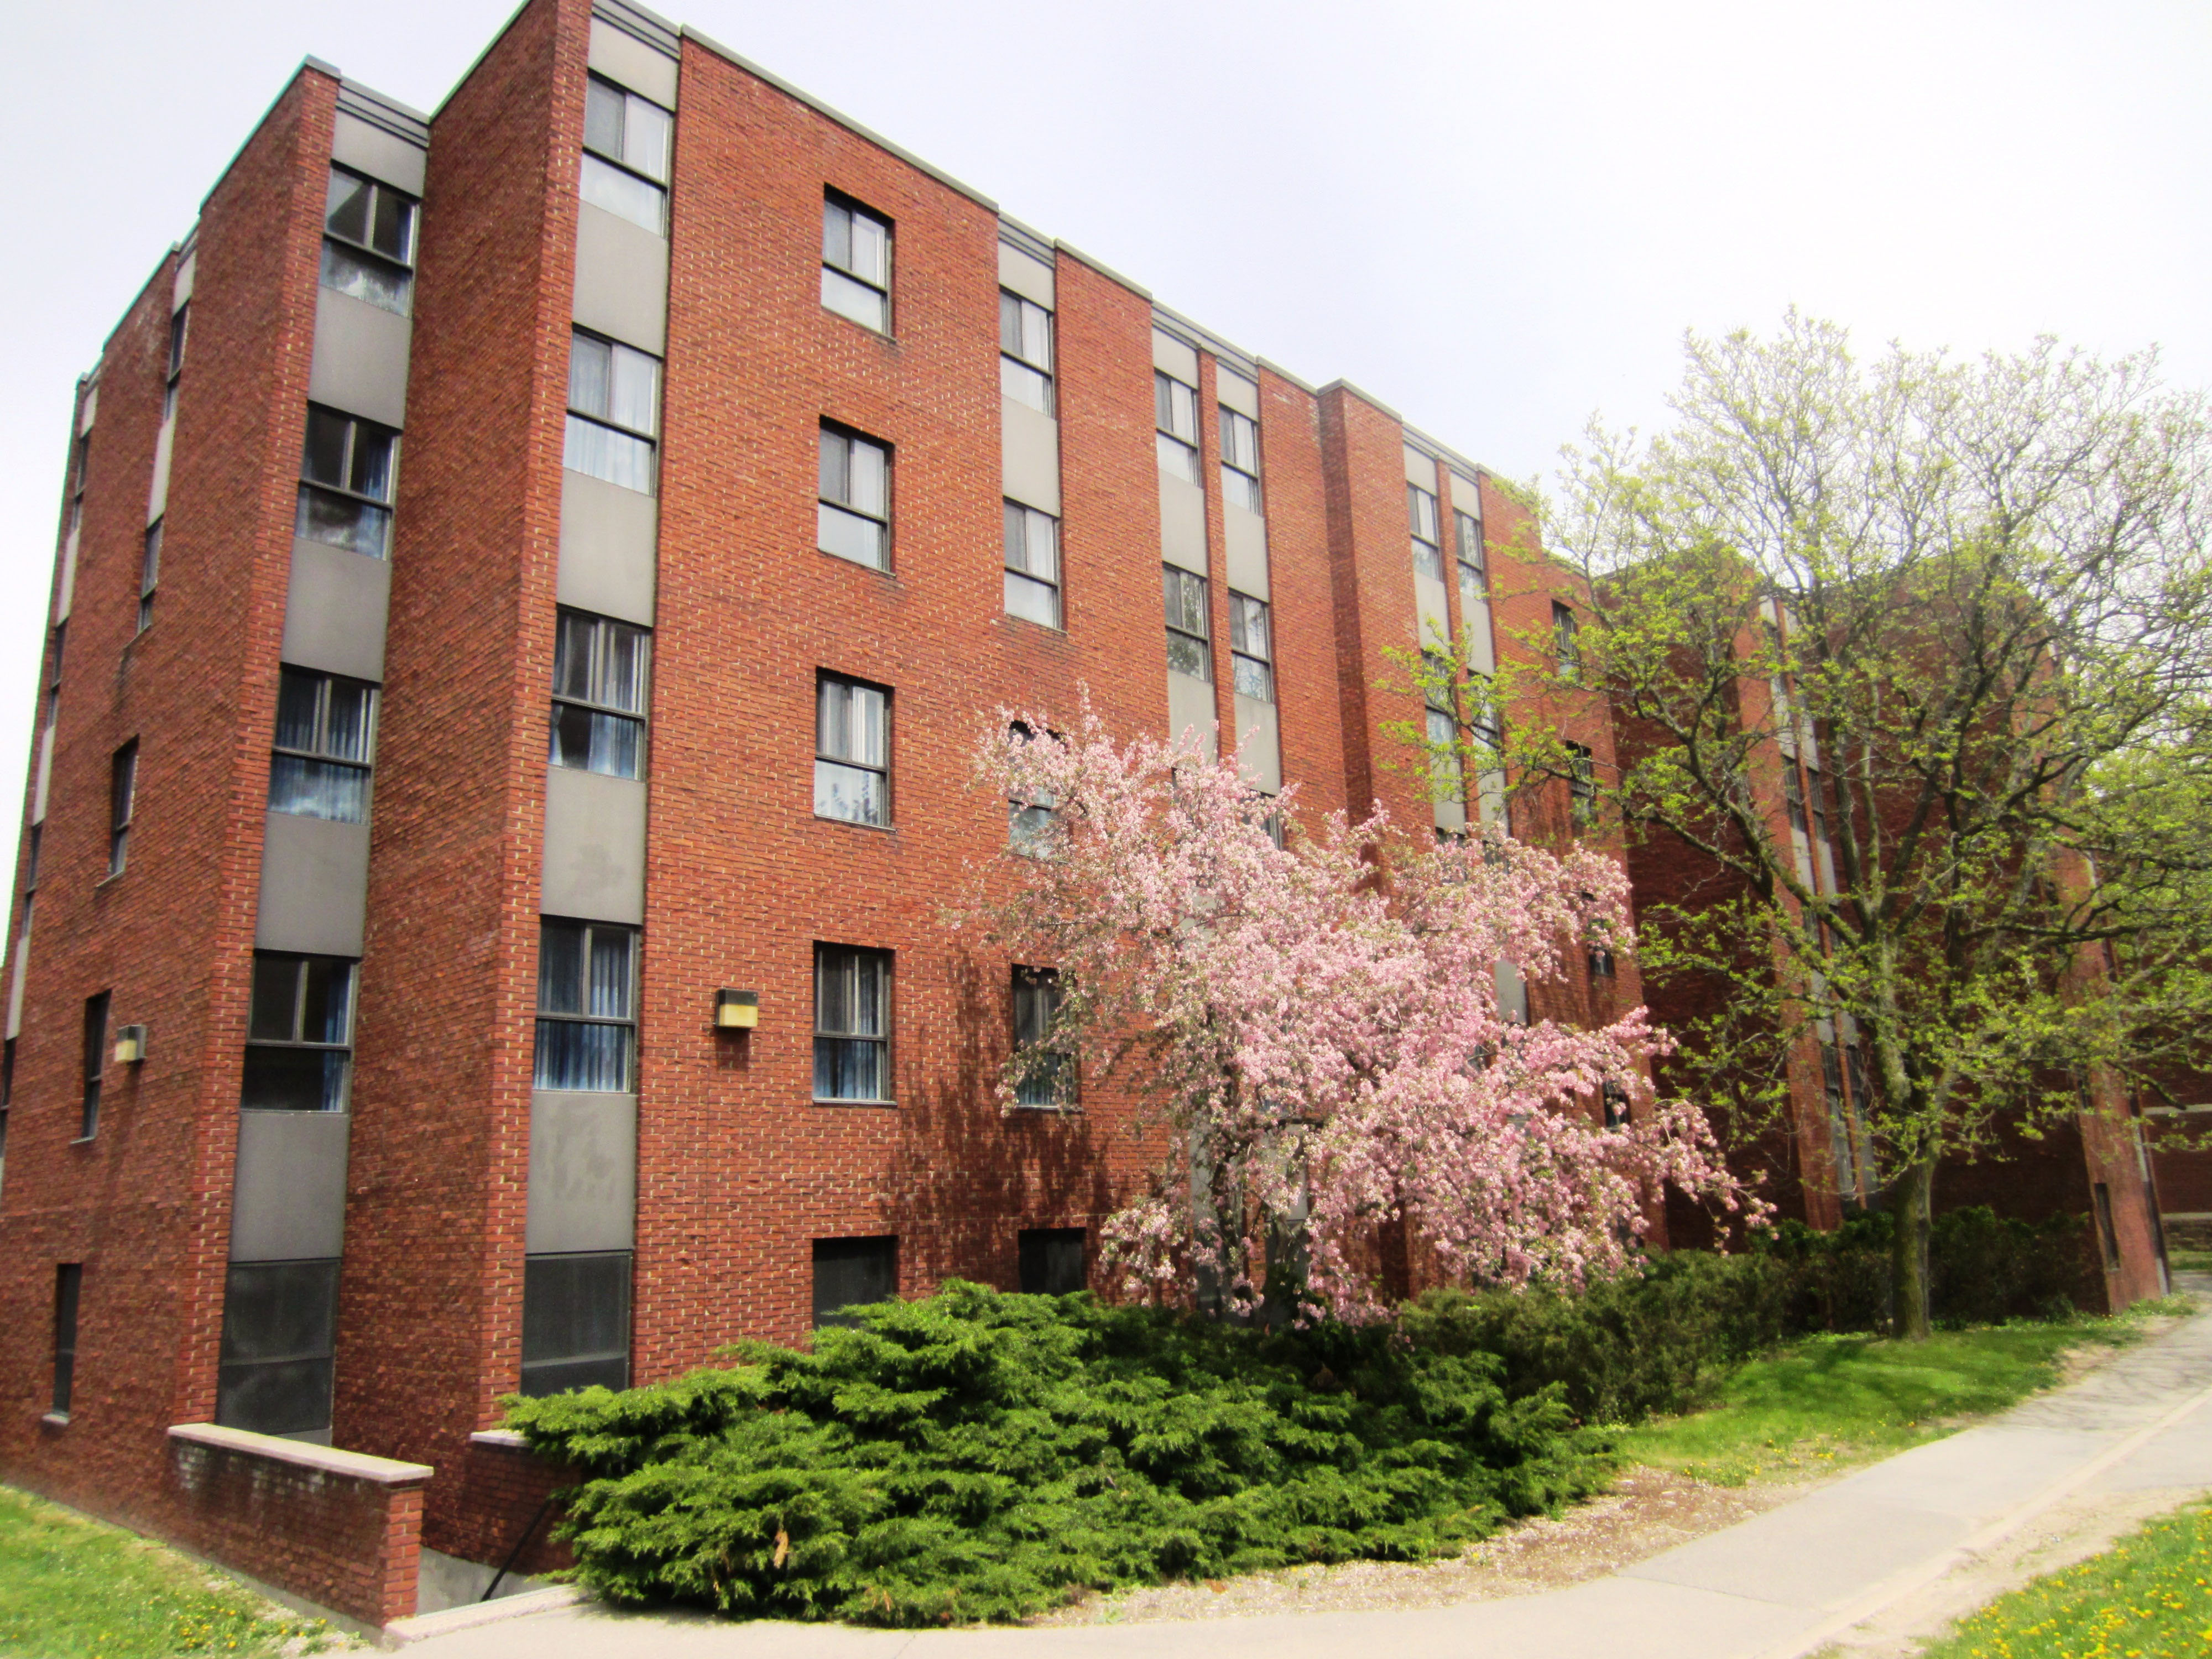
(1497, 218)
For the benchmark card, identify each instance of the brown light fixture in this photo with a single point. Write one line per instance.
(737, 1011)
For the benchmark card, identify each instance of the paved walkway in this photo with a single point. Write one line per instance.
(1780, 1585)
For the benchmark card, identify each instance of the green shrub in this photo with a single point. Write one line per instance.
(977, 1456)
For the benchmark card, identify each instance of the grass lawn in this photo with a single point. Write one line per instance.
(75, 1588)
(1834, 1400)
(2190, 1262)
(2149, 1595)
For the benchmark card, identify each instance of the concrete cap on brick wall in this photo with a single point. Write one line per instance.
(499, 1440)
(355, 1466)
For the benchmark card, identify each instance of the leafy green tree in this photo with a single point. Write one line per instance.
(1973, 601)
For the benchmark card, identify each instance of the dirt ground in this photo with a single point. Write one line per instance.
(1647, 1511)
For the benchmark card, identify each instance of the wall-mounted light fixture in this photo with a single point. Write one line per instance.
(737, 1011)
(129, 1044)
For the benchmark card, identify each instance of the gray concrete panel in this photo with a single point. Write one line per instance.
(1183, 523)
(1235, 392)
(1190, 709)
(288, 1200)
(1172, 356)
(380, 154)
(1029, 450)
(1482, 654)
(621, 280)
(22, 968)
(67, 596)
(1429, 604)
(157, 493)
(334, 611)
(1030, 278)
(1259, 744)
(1246, 534)
(361, 358)
(594, 868)
(45, 775)
(1466, 497)
(1421, 470)
(625, 59)
(609, 549)
(583, 1172)
(314, 881)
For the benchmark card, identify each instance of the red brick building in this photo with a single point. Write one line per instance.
(531, 581)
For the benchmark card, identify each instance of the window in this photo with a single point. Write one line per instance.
(614, 412)
(54, 675)
(368, 241)
(1175, 412)
(299, 1034)
(1051, 1261)
(1567, 639)
(33, 841)
(586, 1006)
(79, 465)
(1048, 1072)
(1472, 586)
(852, 1024)
(625, 166)
(1251, 651)
(1025, 351)
(575, 1321)
(69, 1288)
(856, 264)
(1440, 699)
(1029, 823)
(179, 324)
(852, 751)
(1240, 458)
(279, 1329)
(122, 799)
(1615, 1101)
(2105, 1232)
(1601, 962)
(7, 1096)
(1032, 564)
(1793, 795)
(325, 740)
(347, 472)
(852, 1273)
(95, 1059)
(149, 573)
(1189, 652)
(1582, 785)
(1421, 515)
(853, 520)
(601, 672)
(1818, 804)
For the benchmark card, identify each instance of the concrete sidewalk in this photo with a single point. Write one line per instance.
(1780, 1585)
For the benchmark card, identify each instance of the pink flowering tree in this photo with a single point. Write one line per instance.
(1319, 1025)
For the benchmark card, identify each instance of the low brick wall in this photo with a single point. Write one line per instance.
(494, 1494)
(340, 1528)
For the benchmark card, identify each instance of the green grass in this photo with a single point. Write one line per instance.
(1834, 1400)
(75, 1588)
(2148, 1596)
(2190, 1262)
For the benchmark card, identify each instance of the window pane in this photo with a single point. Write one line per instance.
(850, 792)
(575, 1321)
(645, 138)
(624, 654)
(600, 452)
(1188, 656)
(868, 484)
(615, 746)
(602, 117)
(1176, 458)
(613, 951)
(298, 701)
(837, 235)
(848, 1069)
(1428, 561)
(388, 288)
(848, 536)
(865, 736)
(349, 731)
(1254, 679)
(590, 376)
(575, 1055)
(1470, 587)
(1241, 488)
(572, 655)
(1470, 538)
(373, 450)
(1010, 322)
(323, 458)
(872, 250)
(326, 1011)
(293, 1081)
(864, 305)
(346, 207)
(1039, 602)
(623, 194)
(393, 232)
(1185, 594)
(1024, 384)
(834, 471)
(559, 968)
(276, 998)
(339, 521)
(635, 397)
(318, 789)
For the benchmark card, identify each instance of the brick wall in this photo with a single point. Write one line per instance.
(342, 1530)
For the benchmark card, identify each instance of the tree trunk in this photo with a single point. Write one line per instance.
(1912, 1197)
(1204, 1221)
